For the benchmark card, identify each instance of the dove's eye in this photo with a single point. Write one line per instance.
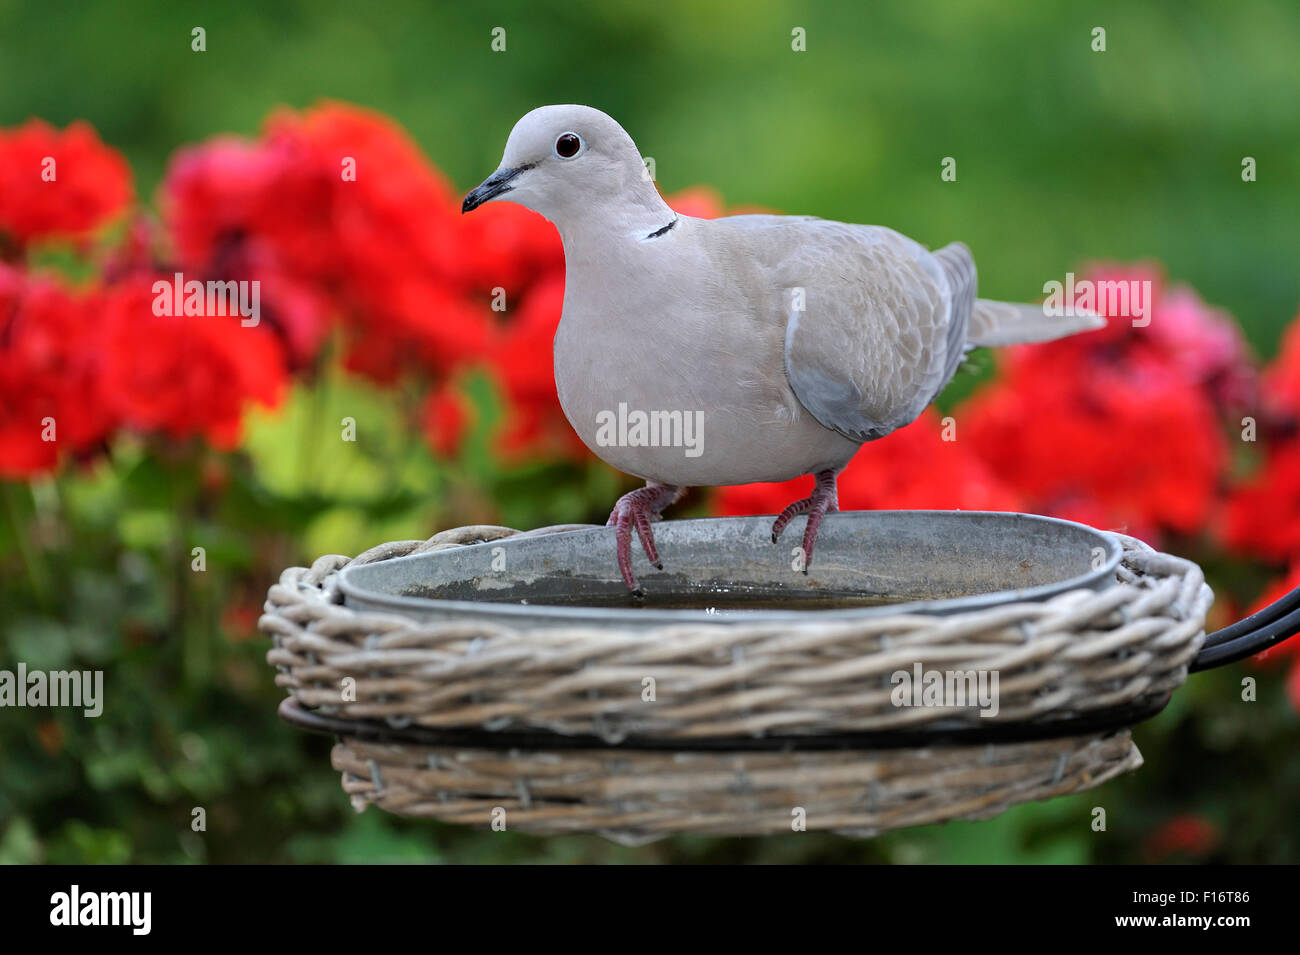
(567, 145)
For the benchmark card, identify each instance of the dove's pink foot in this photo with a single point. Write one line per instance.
(823, 499)
(638, 509)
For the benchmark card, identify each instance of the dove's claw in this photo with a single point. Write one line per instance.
(638, 509)
(789, 514)
(823, 499)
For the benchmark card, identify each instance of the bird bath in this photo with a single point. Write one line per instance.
(488, 670)
(728, 569)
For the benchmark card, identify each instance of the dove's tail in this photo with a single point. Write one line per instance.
(1001, 323)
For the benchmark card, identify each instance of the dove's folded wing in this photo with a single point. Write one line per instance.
(881, 330)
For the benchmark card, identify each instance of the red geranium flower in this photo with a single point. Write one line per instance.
(1188, 834)
(296, 310)
(49, 392)
(509, 247)
(183, 376)
(392, 211)
(420, 324)
(912, 468)
(1282, 380)
(1206, 346)
(1117, 427)
(246, 211)
(1263, 514)
(56, 183)
(218, 194)
(535, 422)
(334, 202)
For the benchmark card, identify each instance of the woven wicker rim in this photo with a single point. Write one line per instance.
(1080, 653)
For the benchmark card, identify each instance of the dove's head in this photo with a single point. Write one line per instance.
(569, 163)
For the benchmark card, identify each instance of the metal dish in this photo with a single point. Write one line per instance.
(727, 569)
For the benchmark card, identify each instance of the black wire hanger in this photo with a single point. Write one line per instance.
(1268, 627)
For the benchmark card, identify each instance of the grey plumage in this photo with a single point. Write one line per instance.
(796, 339)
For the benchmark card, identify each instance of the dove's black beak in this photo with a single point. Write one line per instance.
(491, 187)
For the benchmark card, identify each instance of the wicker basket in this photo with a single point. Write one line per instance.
(753, 728)
(631, 795)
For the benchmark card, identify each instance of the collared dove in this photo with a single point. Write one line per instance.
(703, 352)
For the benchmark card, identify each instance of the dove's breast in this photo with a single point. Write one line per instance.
(669, 365)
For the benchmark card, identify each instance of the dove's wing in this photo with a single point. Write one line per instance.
(882, 326)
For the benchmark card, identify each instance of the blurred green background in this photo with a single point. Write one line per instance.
(1064, 156)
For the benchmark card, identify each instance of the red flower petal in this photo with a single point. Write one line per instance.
(56, 183)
